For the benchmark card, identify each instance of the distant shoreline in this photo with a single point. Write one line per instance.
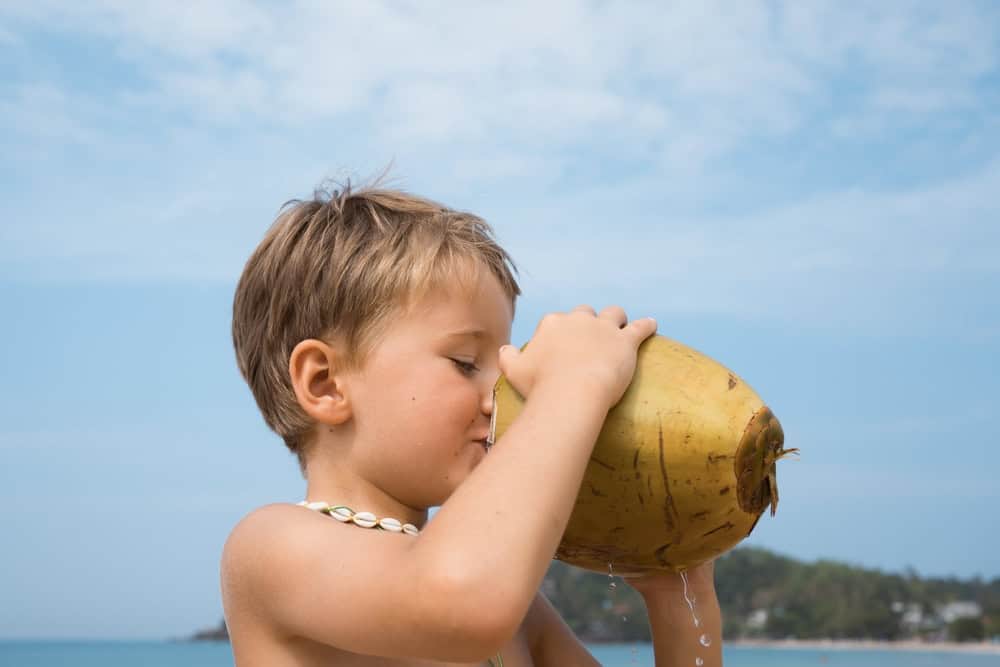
(983, 648)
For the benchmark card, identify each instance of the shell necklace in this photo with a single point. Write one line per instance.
(345, 514)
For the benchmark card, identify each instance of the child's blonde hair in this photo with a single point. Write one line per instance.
(334, 268)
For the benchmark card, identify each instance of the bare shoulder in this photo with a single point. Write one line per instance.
(252, 564)
(302, 578)
(287, 571)
(257, 533)
(261, 526)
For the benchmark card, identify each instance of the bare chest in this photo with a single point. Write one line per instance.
(514, 654)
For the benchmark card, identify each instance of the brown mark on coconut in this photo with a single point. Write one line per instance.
(724, 490)
(660, 554)
(700, 515)
(597, 553)
(732, 382)
(606, 466)
(669, 509)
(726, 526)
(635, 459)
(596, 492)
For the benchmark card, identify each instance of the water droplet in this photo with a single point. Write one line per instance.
(624, 618)
(612, 585)
(698, 662)
(704, 640)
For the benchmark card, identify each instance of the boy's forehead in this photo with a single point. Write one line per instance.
(464, 310)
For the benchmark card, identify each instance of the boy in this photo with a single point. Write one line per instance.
(371, 327)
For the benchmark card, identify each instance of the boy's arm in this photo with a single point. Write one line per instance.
(676, 639)
(462, 587)
(552, 642)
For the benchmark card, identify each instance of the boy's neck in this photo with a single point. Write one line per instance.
(331, 479)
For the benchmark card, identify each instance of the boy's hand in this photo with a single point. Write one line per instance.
(677, 639)
(579, 350)
(701, 579)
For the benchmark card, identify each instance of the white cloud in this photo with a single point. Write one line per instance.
(511, 104)
(570, 66)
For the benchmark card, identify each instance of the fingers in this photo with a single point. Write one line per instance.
(616, 314)
(642, 328)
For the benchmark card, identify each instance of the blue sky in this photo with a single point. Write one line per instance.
(805, 191)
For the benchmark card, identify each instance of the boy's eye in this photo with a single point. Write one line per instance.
(465, 367)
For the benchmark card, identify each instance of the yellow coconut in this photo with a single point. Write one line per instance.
(681, 472)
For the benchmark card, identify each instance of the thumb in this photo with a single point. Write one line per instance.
(507, 356)
(510, 364)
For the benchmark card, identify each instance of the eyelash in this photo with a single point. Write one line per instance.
(465, 367)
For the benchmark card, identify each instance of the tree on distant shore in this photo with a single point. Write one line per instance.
(216, 634)
(967, 630)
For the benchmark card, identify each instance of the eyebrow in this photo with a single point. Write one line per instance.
(467, 333)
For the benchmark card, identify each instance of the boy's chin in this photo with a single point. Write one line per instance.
(480, 449)
(474, 454)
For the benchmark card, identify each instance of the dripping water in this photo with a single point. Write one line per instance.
(690, 600)
(703, 639)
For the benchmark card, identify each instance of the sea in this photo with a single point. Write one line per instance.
(217, 654)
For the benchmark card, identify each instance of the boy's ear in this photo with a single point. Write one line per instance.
(316, 372)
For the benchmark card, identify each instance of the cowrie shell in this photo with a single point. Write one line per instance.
(410, 529)
(318, 505)
(365, 519)
(342, 514)
(390, 524)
